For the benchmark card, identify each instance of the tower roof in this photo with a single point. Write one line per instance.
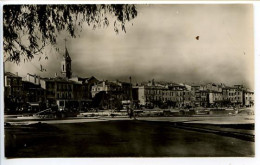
(66, 55)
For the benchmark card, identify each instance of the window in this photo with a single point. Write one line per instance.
(61, 103)
(8, 81)
(63, 67)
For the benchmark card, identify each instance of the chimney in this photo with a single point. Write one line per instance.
(56, 75)
(16, 73)
(28, 77)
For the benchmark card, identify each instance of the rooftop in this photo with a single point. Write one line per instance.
(9, 74)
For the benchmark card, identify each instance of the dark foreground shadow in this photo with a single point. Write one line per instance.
(127, 139)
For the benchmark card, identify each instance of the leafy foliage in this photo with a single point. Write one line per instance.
(29, 28)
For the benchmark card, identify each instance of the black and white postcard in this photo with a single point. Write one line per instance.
(128, 80)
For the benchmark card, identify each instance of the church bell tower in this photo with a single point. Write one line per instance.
(66, 64)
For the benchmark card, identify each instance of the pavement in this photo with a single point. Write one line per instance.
(237, 119)
(123, 138)
(246, 119)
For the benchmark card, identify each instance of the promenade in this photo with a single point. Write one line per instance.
(217, 136)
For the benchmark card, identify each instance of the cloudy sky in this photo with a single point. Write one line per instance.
(161, 43)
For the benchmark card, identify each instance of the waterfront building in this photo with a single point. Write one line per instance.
(238, 96)
(65, 92)
(201, 98)
(233, 95)
(138, 95)
(248, 98)
(58, 91)
(12, 84)
(160, 95)
(86, 85)
(187, 98)
(215, 98)
(34, 96)
(13, 91)
(107, 94)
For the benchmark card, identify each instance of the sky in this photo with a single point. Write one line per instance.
(160, 43)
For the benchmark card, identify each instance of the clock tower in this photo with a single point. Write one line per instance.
(66, 65)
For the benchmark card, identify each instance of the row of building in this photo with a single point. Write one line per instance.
(62, 91)
(47, 92)
(81, 93)
(183, 95)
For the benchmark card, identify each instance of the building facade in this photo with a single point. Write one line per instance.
(157, 95)
(248, 98)
(13, 85)
(233, 95)
(215, 98)
(13, 94)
